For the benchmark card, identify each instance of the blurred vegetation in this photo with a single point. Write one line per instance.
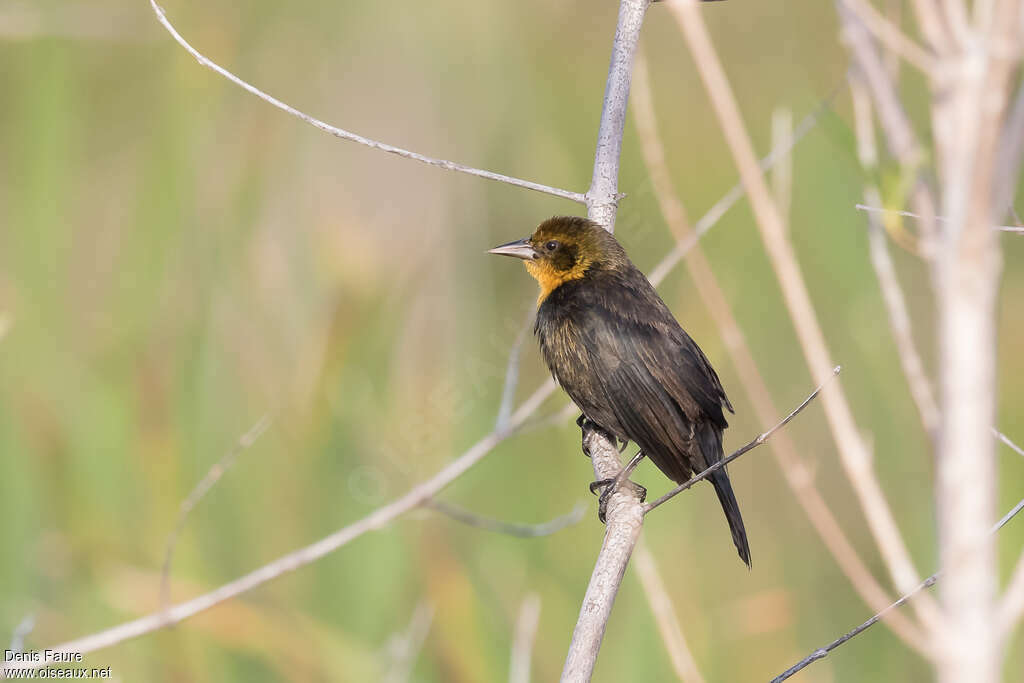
(178, 258)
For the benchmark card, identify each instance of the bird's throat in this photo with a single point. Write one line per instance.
(550, 278)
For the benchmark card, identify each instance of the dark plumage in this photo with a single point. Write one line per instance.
(614, 346)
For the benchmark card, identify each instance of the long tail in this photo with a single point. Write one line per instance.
(723, 488)
(711, 446)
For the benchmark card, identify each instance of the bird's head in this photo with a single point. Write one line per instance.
(565, 248)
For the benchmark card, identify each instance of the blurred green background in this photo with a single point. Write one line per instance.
(178, 258)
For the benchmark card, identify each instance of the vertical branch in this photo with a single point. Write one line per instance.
(968, 112)
(522, 645)
(603, 195)
(625, 512)
(892, 294)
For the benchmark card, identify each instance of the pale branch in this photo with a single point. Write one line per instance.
(1012, 606)
(854, 454)
(892, 294)
(520, 530)
(522, 643)
(508, 392)
(1006, 440)
(624, 516)
(823, 652)
(665, 617)
(404, 647)
(201, 489)
(603, 196)
(1011, 153)
(795, 472)
(21, 632)
(760, 439)
(901, 139)
(892, 37)
(353, 137)
(941, 219)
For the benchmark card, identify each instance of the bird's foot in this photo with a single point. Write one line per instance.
(610, 486)
(586, 427)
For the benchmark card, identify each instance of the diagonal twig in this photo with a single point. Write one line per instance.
(353, 137)
(547, 528)
(823, 652)
(201, 489)
(760, 439)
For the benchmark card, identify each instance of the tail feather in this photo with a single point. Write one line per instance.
(711, 447)
(723, 488)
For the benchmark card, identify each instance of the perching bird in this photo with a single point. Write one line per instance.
(614, 346)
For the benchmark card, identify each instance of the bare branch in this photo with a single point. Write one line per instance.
(1006, 440)
(509, 528)
(353, 137)
(855, 456)
(624, 512)
(603, 195)
(671, 632)
(508, 392)
(205, 484)
(891, 36)
(760, 439)
(941, 219)
(795, 472)
(405, 647)
(892, 293)
(823, 652)
(21, 632)
(522, 645)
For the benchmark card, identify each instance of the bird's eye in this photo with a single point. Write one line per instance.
(551, 245)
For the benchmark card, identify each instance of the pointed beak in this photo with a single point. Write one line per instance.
(520, 249)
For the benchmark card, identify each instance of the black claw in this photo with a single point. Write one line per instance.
(625, 442)
(610, 487)
(580, 420)
(594, 485)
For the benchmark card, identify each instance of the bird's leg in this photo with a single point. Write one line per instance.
(613, 484)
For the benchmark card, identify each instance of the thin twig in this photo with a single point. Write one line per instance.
(205, 484)
(760, 439)
(891, 36)
(885, 271)
(21, 632)
(823, 652)
(1012, 606)
(353, 137)
(665, 617)
(508, 393)
(1006, 440)
(941, 219)
(405, 647)
(547, 528)
(854, 455)
(522, 644)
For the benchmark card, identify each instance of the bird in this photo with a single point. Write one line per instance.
(616, 349)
